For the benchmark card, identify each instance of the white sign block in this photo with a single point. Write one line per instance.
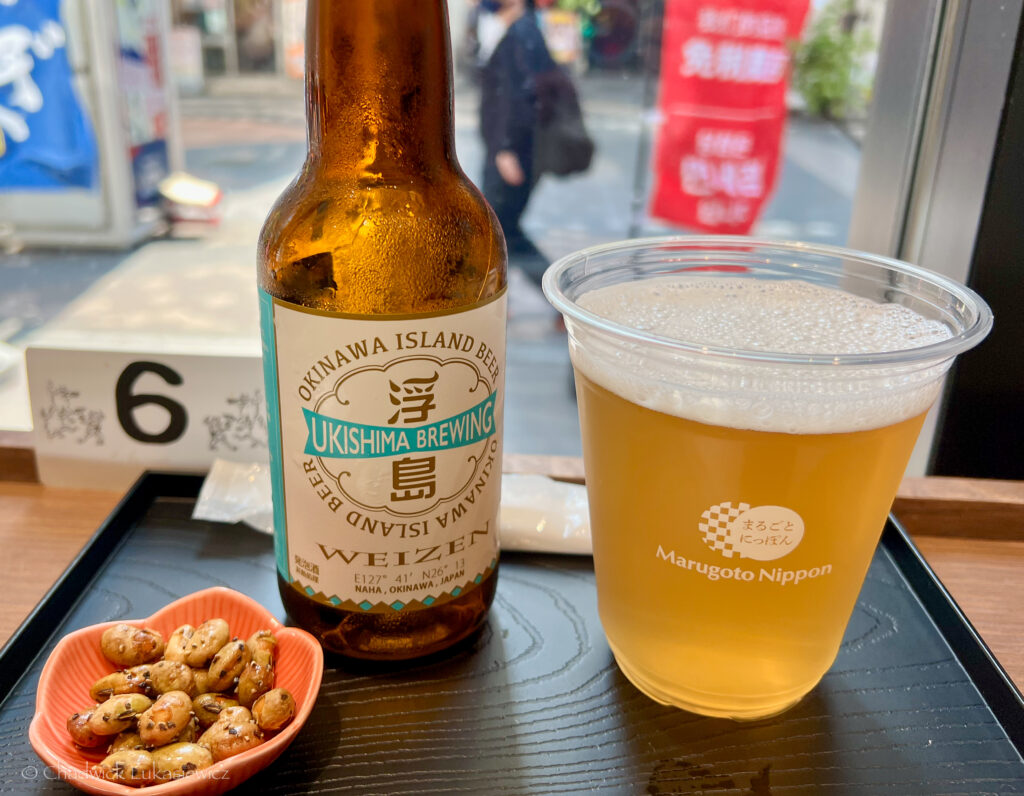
(102, 417)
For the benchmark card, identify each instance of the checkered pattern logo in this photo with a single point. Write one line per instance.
(714, 526)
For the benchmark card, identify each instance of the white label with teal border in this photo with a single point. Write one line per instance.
(385, 440)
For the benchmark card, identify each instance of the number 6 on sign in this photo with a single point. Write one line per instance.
(127, 402)
(103, 417)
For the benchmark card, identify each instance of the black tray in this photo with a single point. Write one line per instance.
(914, 704)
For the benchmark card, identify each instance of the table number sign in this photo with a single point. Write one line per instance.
(103, 417)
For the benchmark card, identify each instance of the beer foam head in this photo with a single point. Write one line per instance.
(765, 317)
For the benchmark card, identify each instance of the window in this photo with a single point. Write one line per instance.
(694, 123)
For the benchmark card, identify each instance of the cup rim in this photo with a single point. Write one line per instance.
(946, 349)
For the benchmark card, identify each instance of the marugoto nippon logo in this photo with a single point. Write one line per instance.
(762, 533)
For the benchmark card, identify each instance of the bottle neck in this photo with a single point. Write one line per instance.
(378, 87)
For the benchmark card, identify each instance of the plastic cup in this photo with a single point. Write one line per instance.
(739, 480)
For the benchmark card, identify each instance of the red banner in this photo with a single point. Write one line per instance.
(724, 72)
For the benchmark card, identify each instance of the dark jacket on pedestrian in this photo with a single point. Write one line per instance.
(508, 95)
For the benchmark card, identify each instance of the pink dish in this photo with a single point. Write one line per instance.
(76, 663)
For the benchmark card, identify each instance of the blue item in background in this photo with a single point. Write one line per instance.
(46, 139)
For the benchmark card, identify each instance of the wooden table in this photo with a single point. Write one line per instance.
(971, 532)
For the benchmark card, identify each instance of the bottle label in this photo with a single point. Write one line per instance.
(385, 440)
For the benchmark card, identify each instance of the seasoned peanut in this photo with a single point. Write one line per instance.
(129, 767)
(235, 715)
(117, 683)
(201, 677)
(163, 676)
(191, 732)
(127, 645)
(179, 760)
(227, 665)
(227, 738)
(166, 719)
(126, 741)
(208, 707)
(254, 681)
(263, 644)
(209, 637)
(258, 675)
(118, 713)
(274, 709)
(178, 644)
(78, 726)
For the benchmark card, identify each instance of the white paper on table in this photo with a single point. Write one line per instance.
(236, 492)
(544, 516)
(537, 514)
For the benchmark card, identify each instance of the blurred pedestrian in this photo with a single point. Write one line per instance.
(254, 26)
(484, 29)
(508, 118)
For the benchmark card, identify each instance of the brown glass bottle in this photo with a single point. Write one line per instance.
(382, 228)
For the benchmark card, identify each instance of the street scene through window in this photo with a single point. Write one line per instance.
(144, 143)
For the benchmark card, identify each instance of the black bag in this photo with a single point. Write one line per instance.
(561, 146)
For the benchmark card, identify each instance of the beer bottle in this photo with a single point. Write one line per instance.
(382, 280)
